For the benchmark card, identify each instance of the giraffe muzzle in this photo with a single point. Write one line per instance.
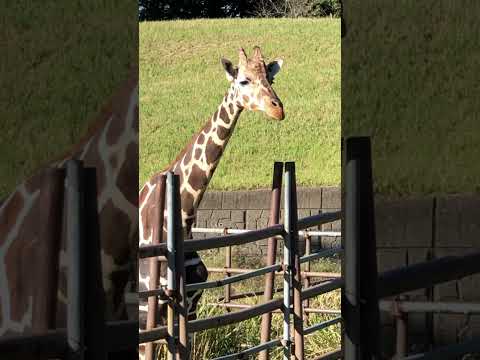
(275, 110)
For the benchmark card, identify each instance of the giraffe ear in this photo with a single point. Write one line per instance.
(273, 68)
(230, 70)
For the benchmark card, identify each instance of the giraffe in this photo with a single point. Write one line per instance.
(111, 146)
(250, 89)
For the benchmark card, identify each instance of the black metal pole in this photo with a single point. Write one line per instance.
(76, 255)
(95, 329)
(359, 295)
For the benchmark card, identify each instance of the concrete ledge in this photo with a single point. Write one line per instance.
(308, 198)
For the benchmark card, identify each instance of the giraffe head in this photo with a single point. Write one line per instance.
(252, 83)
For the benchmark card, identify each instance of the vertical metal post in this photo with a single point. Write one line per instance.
(287, 275)
(359, 296)
(181, 299)
(95, 330)
(291, 229)
(75, 252)
(154, 265)
(228, 264)
(171, 276)
(45, 297)
(271, 253)
(306, 281)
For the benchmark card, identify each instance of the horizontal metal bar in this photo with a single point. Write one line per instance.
(213, 242)
(246, 306)
(241, 231)
(216, 321)
(453, 351)
(321, 325)
(146, 251)
(52, 344)
(253, 350)
(234, 239)
(327, 275)
(322, 288)
(155, 292)
(320, 233)
(233, 279)
(427, 274)
(430, 306)
(321, 254)
(319, 219)
(242, 236)
(119, 335)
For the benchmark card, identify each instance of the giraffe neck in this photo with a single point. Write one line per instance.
(201, 157)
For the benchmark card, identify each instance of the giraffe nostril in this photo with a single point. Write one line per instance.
(274, 103)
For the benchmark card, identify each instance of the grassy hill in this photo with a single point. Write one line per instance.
(61, 63)
(182, 83)
(414, 89)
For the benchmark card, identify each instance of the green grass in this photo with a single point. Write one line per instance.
(414, 89)
(237, 337)
(182, 83)
(60, 63)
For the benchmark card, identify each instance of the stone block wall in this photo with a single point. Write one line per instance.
(415, 230)
(251, 209)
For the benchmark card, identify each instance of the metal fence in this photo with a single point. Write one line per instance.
(291, 304)
(307, 275)
(87, 335)
(365, 290)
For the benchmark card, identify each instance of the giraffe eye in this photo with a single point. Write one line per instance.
(244, 82)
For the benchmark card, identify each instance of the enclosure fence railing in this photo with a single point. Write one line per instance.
(307, 275)
(366, 291)
(87, 335)
(291, 304)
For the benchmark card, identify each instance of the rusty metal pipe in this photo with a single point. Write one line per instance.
(228, 264)
(271, 253)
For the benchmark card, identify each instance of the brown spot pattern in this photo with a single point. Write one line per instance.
(213, 151)
(222, 132)
(224, 115)
(198, 153)
(114, 225)
(230, 107)
(197, 178)
(187, 202)
(246, 99)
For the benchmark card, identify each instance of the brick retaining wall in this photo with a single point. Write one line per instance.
(250, 210)
(413, 230)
